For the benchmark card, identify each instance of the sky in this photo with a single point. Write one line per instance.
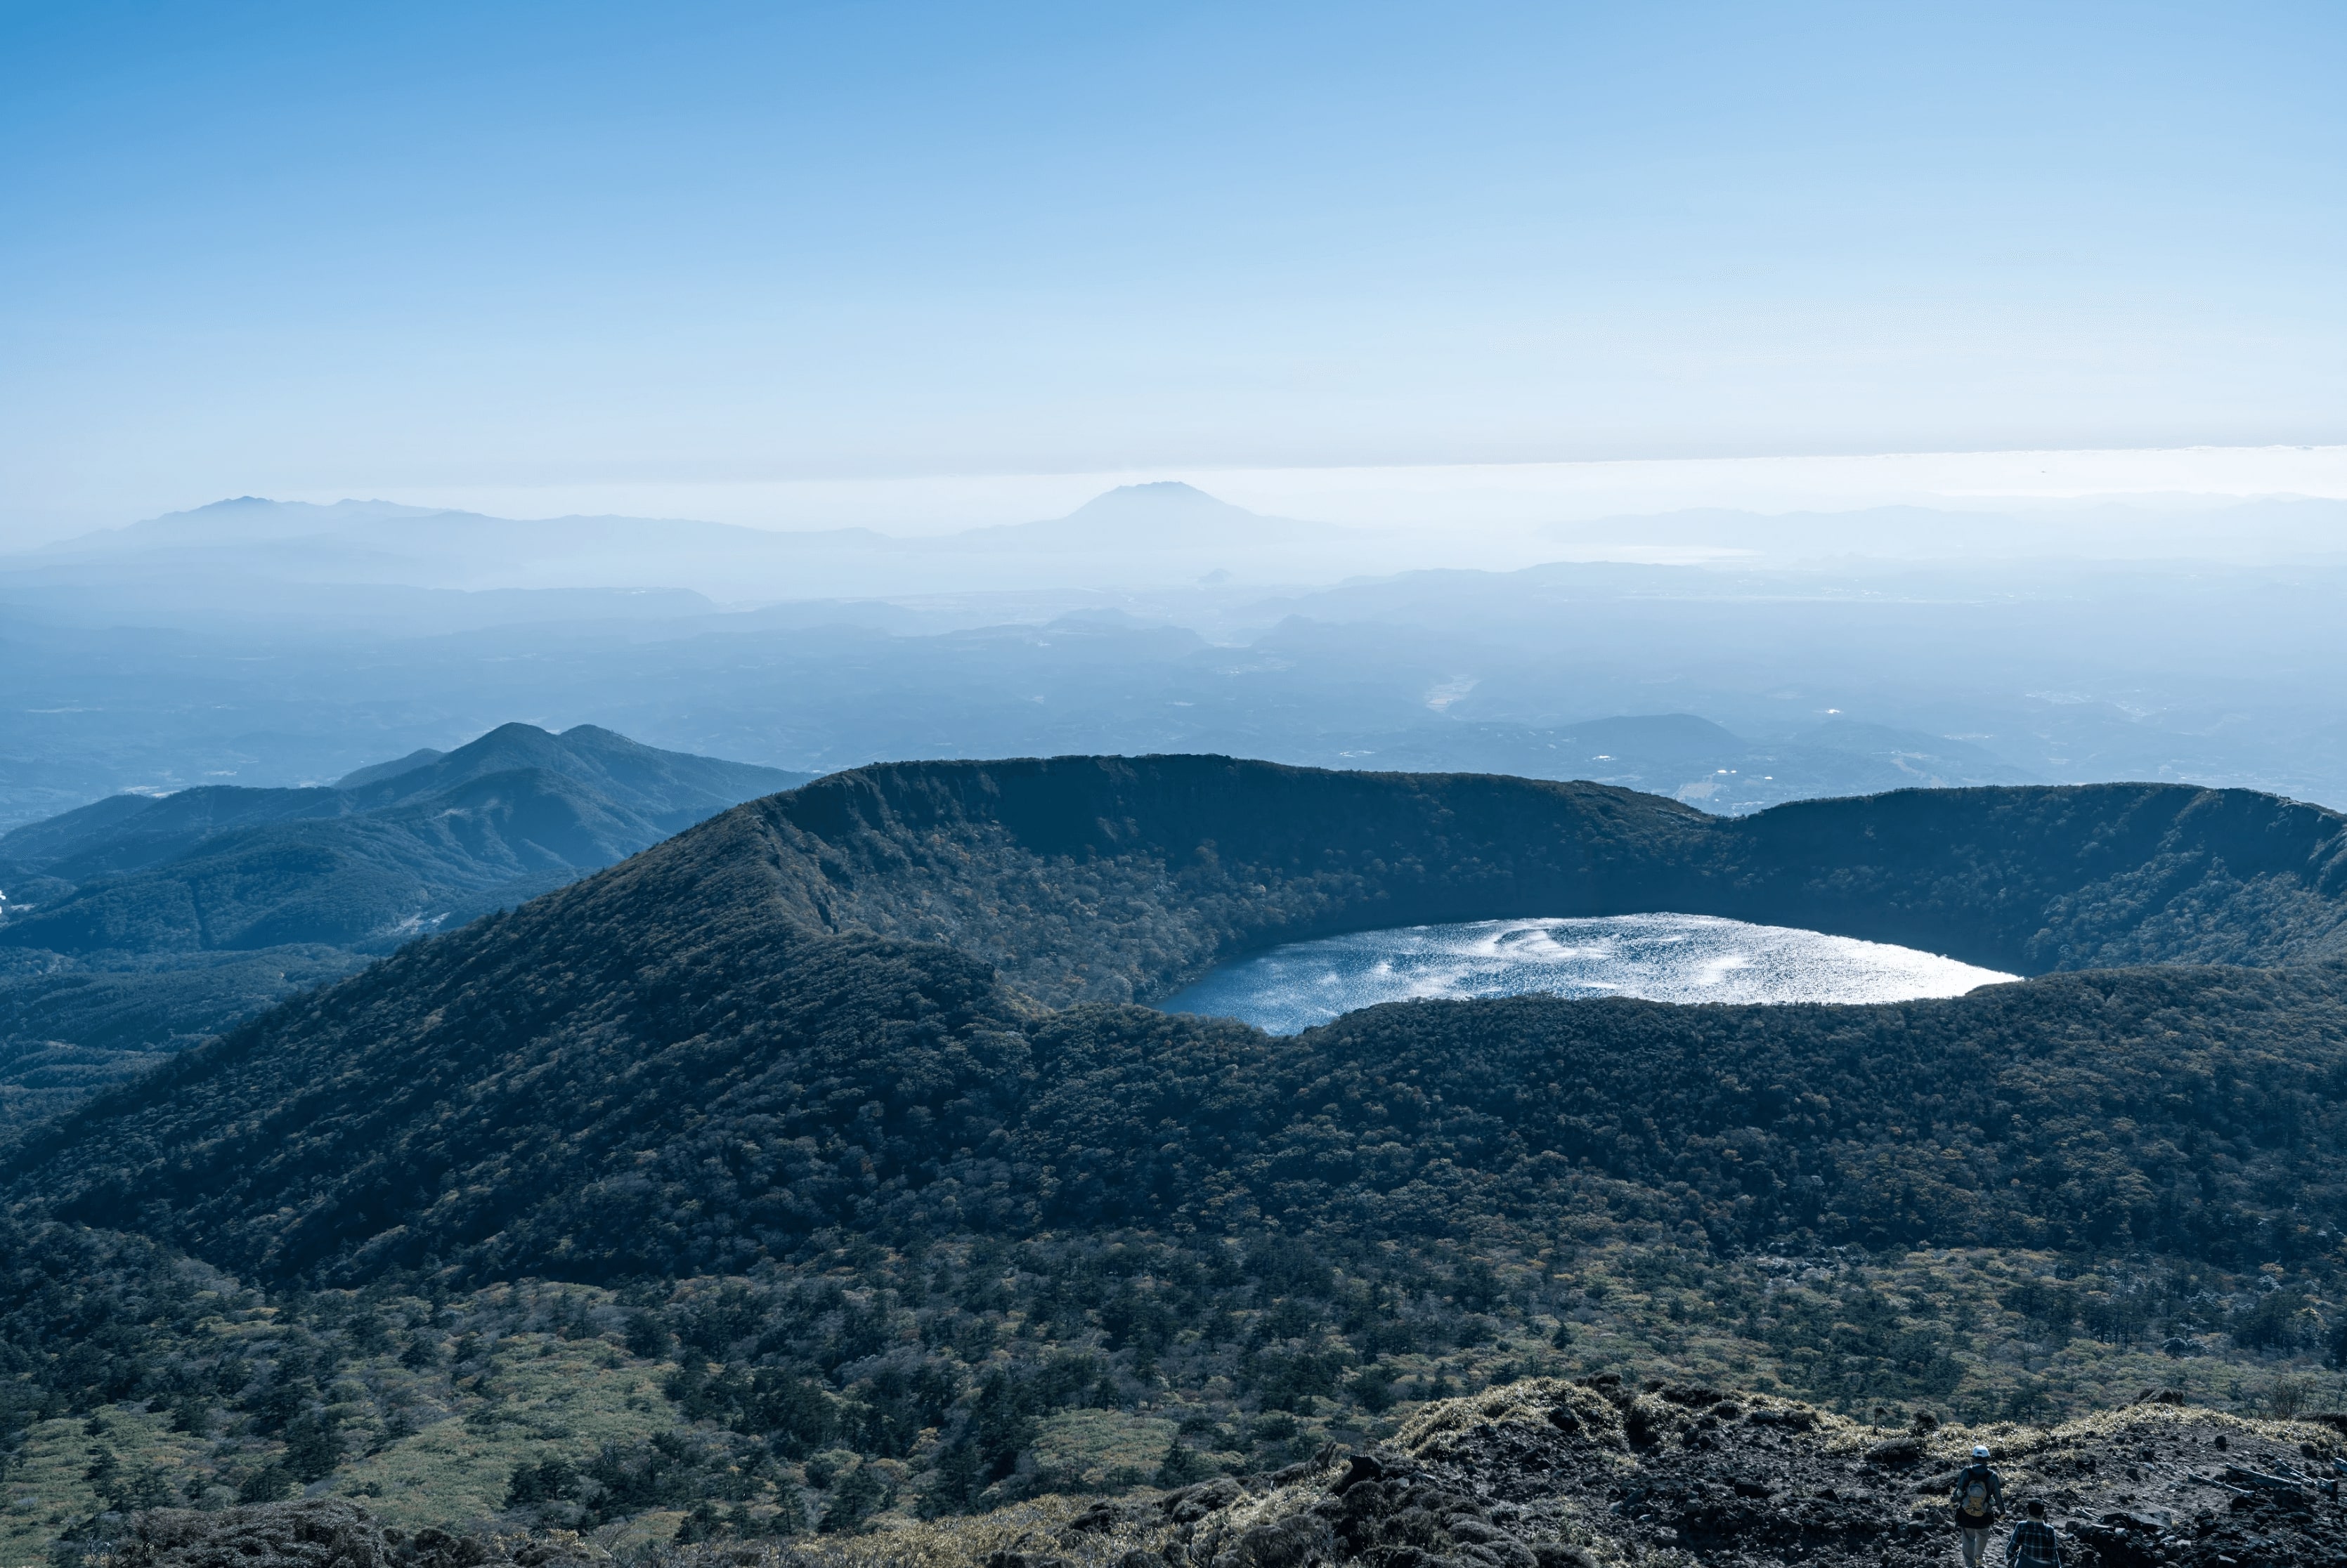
(433, 249)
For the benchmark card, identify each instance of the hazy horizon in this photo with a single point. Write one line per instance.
(591, 249)
(2171, 487)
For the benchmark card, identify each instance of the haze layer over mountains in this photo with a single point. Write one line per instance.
(1729, 659)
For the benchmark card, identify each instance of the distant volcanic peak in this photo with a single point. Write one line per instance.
(1156, 492)
(1160, 516)
(1159, 501)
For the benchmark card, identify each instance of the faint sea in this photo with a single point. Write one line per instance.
(1661, 958)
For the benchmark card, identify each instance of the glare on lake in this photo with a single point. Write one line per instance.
(1661, 958)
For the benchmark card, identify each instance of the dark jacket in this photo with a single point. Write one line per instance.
(1977, 1472)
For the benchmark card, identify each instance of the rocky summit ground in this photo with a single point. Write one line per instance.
(1552, 1474)
(1544, 1473)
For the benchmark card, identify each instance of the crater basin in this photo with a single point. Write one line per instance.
(1661, 958)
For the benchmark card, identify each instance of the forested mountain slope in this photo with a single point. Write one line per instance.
(373, 879)
(2038, 877)
(855, 1085)
(224, 866)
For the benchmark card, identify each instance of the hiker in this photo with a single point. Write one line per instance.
(1979, 1495)
(2033, 1543)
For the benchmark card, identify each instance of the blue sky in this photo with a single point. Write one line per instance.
(271, 248)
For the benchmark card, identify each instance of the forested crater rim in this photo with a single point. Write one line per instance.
(832, 985)
(1114, 879)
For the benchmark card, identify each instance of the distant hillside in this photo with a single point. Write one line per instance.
(824, 1003)
(230, 868)
(122, 916)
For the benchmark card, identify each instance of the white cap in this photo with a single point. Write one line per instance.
(1980, 1450)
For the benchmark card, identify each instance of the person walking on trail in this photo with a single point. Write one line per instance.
(2033, 1543)
(1980, 1496)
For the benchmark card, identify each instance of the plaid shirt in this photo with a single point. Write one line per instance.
(2033, 1544)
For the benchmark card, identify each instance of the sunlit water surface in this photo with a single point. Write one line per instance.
(1662, 958)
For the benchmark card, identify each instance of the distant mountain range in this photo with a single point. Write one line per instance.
(137, 921)
(381, 560)
(259, 642)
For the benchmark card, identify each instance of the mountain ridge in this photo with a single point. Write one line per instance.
(667, 790)
(362, 548)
